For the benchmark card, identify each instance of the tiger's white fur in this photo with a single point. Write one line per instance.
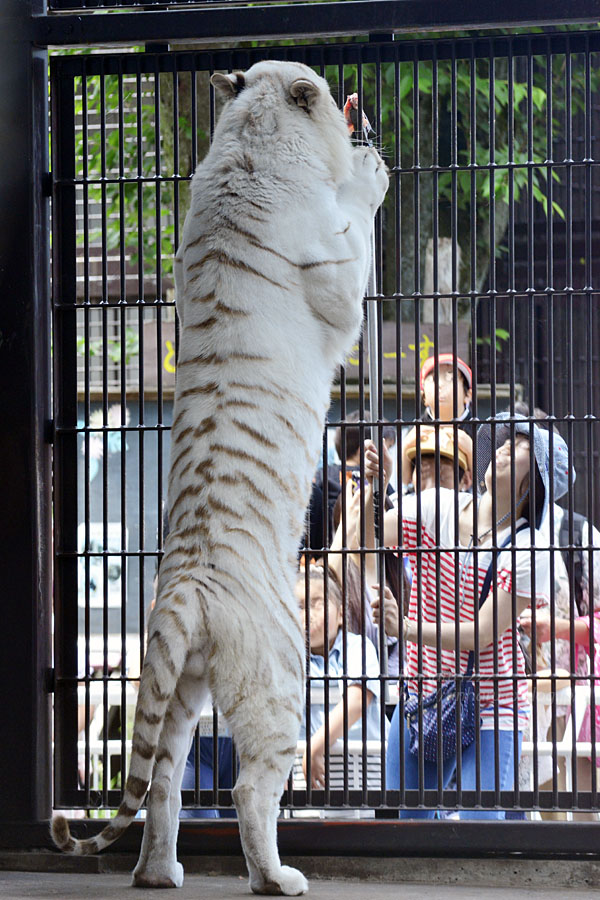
(270, 276)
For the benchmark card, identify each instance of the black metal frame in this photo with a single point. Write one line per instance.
(377, 839)
(25, 756)
(25, 519)
(363, 17)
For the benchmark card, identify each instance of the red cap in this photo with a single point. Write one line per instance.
(446, 359)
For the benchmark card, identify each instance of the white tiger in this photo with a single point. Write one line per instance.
(269, 276)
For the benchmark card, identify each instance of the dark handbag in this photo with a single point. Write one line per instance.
(447, 697)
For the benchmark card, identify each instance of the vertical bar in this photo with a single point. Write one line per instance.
(104, 304)
(569, 289)
(25, 523)
(416, 293)
(378, 430)
(531, 377)
(493, 410)
(474, 368)
(589, 408)
(512, 361)
(399, 409)
(86, 419)
(194, 116)
(65, 414)
(159, 298)
(345, 581)
(123, 433)
(141, 401)
(455, 410)
(363, 415)
(550, 344)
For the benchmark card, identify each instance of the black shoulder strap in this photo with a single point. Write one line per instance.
(573, 562)
(563, 534)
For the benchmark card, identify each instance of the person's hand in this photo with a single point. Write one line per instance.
(353, 504)
(317, 762)
(372, 462)
(392, 615)
(542, 624)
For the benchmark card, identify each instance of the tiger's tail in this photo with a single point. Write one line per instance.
(166, 653)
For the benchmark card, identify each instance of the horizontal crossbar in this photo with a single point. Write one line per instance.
(303, 20)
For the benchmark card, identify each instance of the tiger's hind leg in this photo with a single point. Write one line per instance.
(266, 759)
(158, 865)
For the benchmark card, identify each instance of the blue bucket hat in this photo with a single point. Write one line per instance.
(555, 470)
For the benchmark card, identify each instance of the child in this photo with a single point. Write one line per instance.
(327, 658)
(443, 390)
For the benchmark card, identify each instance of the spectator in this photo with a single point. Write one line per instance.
(497, 665)
(454, 399)
(324, 625)
(321, 526)
(444, 447)
(355, 437)
(569, 564)
(363, 618)
(225, 770)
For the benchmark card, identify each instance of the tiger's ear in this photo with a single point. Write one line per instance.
(228, 85)
(304, 92)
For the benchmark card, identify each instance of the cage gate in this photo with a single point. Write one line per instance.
(485, 248)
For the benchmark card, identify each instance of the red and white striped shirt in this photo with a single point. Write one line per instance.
(499, 663)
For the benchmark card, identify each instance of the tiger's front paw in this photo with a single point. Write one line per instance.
(158, 877)
(289, 882)
(372, 175)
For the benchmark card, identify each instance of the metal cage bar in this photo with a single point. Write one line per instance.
(65, 456)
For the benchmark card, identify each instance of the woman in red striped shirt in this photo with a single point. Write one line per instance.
(448, 537)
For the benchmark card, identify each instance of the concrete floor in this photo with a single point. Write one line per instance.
(76, 886)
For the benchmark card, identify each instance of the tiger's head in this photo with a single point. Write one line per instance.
(286, 103)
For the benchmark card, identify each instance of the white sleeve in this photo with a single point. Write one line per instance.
(372, 668)
(523, 568)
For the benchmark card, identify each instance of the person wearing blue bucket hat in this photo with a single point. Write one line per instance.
(486, 571)
(549, 449)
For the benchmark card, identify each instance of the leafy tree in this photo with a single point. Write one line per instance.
(157, 126)
(420, 127)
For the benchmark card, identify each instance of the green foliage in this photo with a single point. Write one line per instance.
(502, 335)
(463, 144)
(491, 146)
(454, 158)
(114, 347)
(135, 143)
